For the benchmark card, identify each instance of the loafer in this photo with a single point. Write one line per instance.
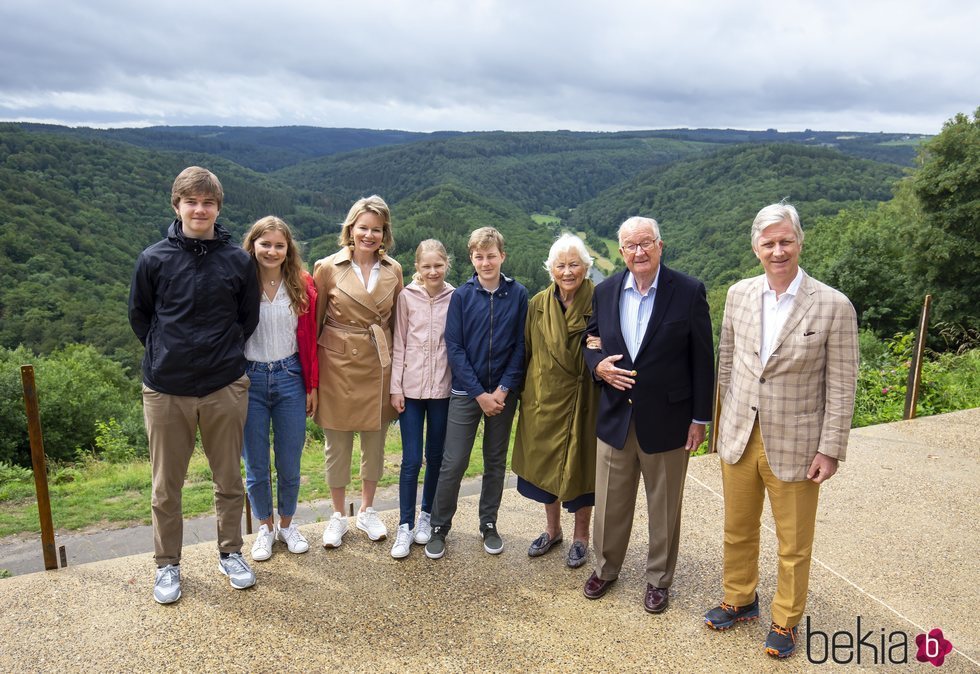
(542, 544)
(595, 586)
(576, 555)
(656, 599)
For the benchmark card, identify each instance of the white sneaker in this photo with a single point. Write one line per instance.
(294, 540)
(369, 522)
(423, 528)
(333, 535)
(262, 547)
(403, 542)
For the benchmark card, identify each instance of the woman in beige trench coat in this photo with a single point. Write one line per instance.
(356, 292)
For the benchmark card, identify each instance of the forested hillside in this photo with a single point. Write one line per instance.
(76, 213)
(705, 206)
(258, 148)
(536, 171)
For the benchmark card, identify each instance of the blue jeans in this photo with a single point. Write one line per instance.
(410, 422)
(278, 395)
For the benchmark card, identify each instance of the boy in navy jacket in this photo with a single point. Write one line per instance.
(485, 341)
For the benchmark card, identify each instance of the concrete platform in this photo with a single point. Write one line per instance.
(896, 546)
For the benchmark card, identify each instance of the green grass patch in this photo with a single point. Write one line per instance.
(543, 219)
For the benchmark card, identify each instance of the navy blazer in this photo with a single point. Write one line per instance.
(674, 365)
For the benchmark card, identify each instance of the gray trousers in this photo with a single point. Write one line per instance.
(464, 418)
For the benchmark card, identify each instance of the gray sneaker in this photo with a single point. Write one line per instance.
(492, 542)
(166, 589)
(239, 573)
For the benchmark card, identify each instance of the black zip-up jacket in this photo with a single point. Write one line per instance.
(193, 303)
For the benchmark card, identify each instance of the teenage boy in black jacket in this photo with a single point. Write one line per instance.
(193, 303)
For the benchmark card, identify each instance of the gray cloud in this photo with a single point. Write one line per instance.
(492, 64)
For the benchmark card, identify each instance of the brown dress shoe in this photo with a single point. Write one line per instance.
(595, 586)
(656, 599)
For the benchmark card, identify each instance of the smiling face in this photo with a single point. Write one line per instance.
(644, 258)
(778, 249)
(270, 250)
(569, 272)
(197, 214)
(367, 233)
(486, 263)
(432, 269)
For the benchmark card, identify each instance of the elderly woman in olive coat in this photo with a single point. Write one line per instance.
(555, 447)
(356, 292)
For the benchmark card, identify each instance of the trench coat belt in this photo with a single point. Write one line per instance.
(376, 332)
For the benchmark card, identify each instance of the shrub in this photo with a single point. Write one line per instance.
(77, 387)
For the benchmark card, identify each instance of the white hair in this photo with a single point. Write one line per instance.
(637, 221)
(567, 243)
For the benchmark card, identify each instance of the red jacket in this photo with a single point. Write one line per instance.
(306, 338)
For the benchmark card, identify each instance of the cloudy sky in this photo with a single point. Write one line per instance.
(857, 65)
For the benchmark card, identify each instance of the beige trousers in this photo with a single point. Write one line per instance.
(171, 428)
(338, 449)
(617, 477)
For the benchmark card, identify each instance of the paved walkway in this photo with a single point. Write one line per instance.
(896, 548)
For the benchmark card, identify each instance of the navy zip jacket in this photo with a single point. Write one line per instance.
(193, 303)
(485, 337)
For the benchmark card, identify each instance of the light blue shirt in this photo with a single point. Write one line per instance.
(635, 310)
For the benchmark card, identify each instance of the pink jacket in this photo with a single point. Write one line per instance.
(419, 362)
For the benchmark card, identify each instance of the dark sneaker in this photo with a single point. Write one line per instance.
(781, 642)
(492, 542)
(725, 616)
(436, 547)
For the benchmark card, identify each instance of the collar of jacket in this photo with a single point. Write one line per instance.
(413, 288)
(346, 256)
(197, 246)
(505, 284)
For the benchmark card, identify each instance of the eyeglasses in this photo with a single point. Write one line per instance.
(645, 246)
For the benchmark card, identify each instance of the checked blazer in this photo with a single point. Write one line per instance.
(804, 396)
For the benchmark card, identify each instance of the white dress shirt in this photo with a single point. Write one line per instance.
(635, 310)
(775, 312)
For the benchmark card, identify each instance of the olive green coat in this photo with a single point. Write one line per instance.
(555, 444)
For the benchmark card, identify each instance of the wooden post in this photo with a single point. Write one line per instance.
(40, 467)
(915, 367)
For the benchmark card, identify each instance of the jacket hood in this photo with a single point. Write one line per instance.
(175, 233)
(415, 289)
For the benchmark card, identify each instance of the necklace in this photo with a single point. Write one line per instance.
(272, 283)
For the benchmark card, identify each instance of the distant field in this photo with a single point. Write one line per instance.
(543, 219)
(898, 143)
(603, 259)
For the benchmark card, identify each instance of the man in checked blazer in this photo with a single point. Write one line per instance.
(649, 344)
(787, 372)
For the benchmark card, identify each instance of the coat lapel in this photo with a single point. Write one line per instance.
(665, 291)
(801, 304)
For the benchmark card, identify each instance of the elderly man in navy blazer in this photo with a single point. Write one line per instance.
(649, 344)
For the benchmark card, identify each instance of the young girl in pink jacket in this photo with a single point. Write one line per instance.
(420, 382)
